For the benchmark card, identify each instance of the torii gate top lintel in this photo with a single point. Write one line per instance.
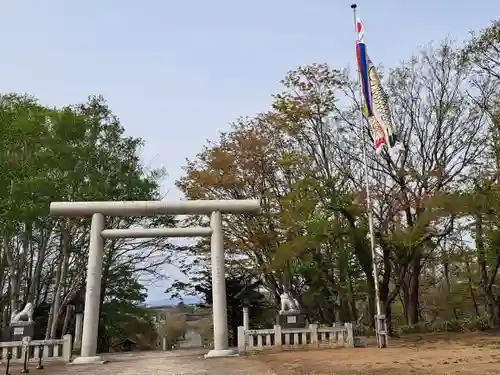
(152, 208)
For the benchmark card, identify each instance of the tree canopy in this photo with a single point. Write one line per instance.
(78, 153)
(434, 219)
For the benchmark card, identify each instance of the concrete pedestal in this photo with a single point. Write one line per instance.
(16, 331)
(292, 319)
(221, 353)
(96, 360)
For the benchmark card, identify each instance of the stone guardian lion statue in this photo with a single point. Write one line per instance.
(288, 303)
(24, 314)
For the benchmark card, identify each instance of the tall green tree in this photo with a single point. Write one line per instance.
(482, 55)
(79, 152)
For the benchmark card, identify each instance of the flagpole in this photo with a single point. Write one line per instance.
(380, 318)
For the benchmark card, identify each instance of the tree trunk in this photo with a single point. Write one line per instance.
(414, 290)
(354, 310)
(12, 274)
(2, 285)
(57, 295)
(344, 295)
(446, 266)
(49, 322)
(33, 294)
(388, 319)
(61, 278)
(26, 244)
(493, 309)
(67, 319)
(372, 308)
(13, 289)
(471, 289)
(486, 279)
(405, 297)
(52, 320)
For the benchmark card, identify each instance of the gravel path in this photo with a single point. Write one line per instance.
(171, 363)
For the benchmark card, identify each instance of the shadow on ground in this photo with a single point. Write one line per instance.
(432, 354)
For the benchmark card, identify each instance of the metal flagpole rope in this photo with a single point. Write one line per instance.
(380, 325)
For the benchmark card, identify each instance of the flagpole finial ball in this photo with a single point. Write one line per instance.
(353, 6)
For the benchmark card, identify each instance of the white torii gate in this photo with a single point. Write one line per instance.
(98, 233)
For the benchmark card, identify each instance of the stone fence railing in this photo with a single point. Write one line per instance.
(46, 349)
(310, 337)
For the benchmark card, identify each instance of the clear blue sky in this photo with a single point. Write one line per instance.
(176, 72)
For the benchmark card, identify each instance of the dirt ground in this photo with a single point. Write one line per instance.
(49, 367)
(442, 354)
(432, 354)
(179, 362)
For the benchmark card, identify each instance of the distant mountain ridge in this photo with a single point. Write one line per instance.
(188, 300)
